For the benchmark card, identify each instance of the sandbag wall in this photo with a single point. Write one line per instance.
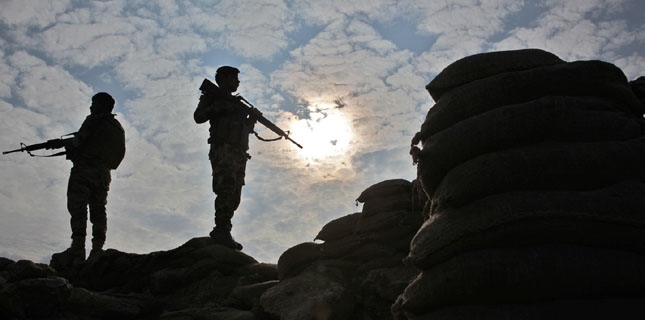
(534, 168)
(358, 271)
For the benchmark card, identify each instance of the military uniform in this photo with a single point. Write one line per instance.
(97, 148)
(229, 131)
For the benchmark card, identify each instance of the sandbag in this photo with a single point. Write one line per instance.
(479, 66)
(580, 78)
(392, 237)
(397, 201)
(383, 220)
(638, 88)
(384, 189)
(526, 274)
(340, 247)
(552, 118)
(307, 296)
(369, 251)
(395, 260)
(590, 309)
(247, 297)
(610, 217)
(388, 282)
(297, 258)
(561, 166)
(339, 228)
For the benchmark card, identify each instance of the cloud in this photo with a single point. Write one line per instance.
(326, 12)
(256, 30)
(40, 13)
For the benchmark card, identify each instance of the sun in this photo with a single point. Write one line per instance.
(324, 135)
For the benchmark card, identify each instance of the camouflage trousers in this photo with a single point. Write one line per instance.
(88, 186)
(229, 166)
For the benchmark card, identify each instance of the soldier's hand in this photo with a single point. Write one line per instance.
(55, 144)
(255, 113)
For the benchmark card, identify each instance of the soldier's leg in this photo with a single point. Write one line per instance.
(98, 212)
(228, 187)
(78, 193)
(225, 205)
(222, 180)
(77, 199)
(223, 162)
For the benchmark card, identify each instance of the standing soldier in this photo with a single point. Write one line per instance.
(97, 148)
(229, 130)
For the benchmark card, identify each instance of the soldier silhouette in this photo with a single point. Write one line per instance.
(229, 131)
(97, 148)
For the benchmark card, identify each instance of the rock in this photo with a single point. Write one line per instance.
(248, 297)
(110, 306)
(35, 298)
(208, 313)
(314, 294)
(119, 285)
(25, 269)
(4, 262)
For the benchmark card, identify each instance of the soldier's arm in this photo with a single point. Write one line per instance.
(82, 135)
(204, 109)
(208, 107)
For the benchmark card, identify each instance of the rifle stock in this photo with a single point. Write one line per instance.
(207, 86)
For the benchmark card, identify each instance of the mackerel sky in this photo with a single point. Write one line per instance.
(346, 78)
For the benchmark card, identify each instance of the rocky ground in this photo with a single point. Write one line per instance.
(354, 270)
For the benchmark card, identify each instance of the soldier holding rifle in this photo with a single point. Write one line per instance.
(97, 148)
(231, 119)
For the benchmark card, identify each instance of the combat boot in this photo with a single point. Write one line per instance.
(224, 237)
(73, 255)
(97, 250)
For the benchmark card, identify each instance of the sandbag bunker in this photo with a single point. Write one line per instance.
(355, 268)
(534, 172)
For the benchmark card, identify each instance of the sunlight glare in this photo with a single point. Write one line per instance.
(326, 134)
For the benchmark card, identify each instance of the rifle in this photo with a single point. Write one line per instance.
(209, 87)
(49, 144)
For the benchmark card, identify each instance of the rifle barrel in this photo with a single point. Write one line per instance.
(12, 151)
(261, 119)
(299, 146)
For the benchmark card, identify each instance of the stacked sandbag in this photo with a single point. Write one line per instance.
(534, 172)
(357, 272)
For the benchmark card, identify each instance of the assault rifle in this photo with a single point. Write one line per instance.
(49, 144)
(209, 87)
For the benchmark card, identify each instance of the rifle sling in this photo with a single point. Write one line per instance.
(266, 140)
(62, 153)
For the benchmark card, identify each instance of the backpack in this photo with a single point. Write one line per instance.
(113, 138)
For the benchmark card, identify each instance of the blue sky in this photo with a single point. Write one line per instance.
(299, 61)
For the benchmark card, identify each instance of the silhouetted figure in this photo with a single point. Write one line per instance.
(97, 148)
(230, 127)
